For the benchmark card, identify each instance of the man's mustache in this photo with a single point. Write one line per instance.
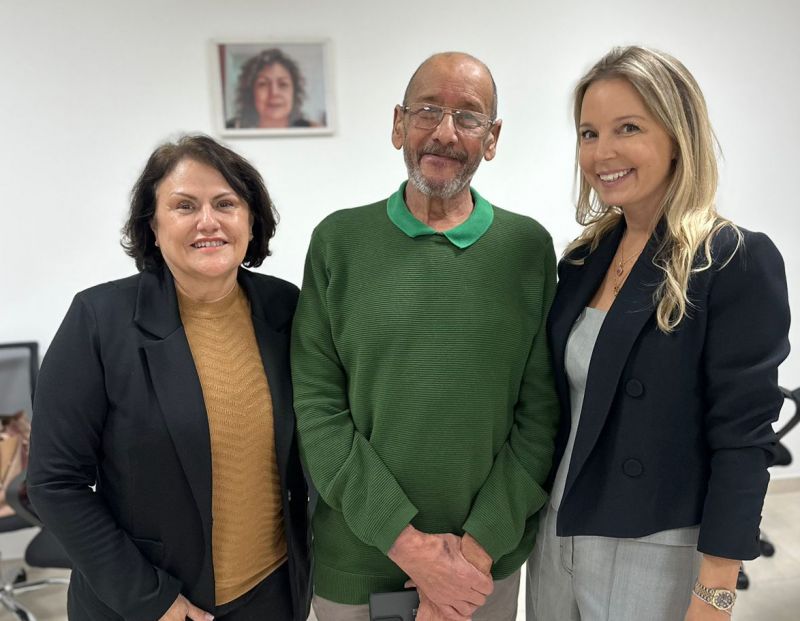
(442, 151)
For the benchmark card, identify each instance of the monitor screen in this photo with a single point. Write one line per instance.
(19, 364)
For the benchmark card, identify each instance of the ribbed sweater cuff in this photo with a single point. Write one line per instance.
(499, 537)
(398, 520)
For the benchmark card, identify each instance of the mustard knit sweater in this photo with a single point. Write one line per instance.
(248, 540)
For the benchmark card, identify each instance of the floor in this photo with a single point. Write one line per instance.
(774, 591)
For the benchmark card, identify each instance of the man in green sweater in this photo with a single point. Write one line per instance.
(425, 405)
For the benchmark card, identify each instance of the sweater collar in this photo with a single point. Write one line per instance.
(157, 310)
(462, 236)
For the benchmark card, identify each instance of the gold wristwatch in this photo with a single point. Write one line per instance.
(721, 599)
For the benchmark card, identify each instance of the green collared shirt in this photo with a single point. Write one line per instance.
(462, 236)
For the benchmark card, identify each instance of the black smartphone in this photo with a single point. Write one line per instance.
(394, 606)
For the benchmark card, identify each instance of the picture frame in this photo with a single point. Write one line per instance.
(272, 88)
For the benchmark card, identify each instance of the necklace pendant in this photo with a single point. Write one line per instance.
(618, 270)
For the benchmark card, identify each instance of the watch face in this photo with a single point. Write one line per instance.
(723, 600)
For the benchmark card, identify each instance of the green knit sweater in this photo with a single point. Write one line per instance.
(423, 391)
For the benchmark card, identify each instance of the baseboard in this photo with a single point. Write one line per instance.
(784, 485)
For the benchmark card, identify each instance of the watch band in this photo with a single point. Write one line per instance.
(721, 599)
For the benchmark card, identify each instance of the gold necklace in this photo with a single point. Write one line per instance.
(619, 270)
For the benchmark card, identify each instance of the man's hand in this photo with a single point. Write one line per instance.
(480, 559)
(182, 608)
(475, 554)
(440, 571)
(428, 611)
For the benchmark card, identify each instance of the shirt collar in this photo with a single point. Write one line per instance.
(462, 236)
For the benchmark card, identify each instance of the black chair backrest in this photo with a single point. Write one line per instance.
(794, 397)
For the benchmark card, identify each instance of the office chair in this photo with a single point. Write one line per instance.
(783, 457)
(19, 367)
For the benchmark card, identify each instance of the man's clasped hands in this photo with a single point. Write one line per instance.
(452, 574)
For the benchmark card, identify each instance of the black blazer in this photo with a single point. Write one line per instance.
(119, 404)
(675, 430)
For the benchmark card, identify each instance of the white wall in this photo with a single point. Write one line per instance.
(89, 88)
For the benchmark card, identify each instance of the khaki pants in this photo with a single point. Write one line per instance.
(501, 605)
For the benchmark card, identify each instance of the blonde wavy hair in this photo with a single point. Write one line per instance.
(691, 220)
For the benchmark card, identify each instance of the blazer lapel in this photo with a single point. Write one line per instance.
(274, 349)
(176, 384)
(576, 287)
(624, 322)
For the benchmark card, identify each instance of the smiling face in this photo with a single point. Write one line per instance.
(202, 228)
(626, 155)
(442, 161)
(273, 96)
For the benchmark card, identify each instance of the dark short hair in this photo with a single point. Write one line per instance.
(246, 109)
(138, 238)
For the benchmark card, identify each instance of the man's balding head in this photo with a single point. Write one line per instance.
(461, 59)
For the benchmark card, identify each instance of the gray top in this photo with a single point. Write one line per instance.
(577, 357)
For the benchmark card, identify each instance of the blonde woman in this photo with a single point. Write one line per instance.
(667, 329)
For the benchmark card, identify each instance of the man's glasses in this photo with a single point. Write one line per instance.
(428, 116)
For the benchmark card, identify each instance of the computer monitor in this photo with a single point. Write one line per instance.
(19, 367)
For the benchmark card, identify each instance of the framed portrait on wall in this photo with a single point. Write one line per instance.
(272, 88)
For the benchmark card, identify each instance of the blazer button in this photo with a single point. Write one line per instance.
(289, 495)
(633, 468)
(634, 388)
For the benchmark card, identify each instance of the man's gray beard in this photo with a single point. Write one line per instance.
(444, 190)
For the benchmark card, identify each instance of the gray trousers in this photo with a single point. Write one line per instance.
(501, 605)
(608, 579)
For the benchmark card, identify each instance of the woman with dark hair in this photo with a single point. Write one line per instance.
(270, 93)
(667, 329)
(169, 391)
